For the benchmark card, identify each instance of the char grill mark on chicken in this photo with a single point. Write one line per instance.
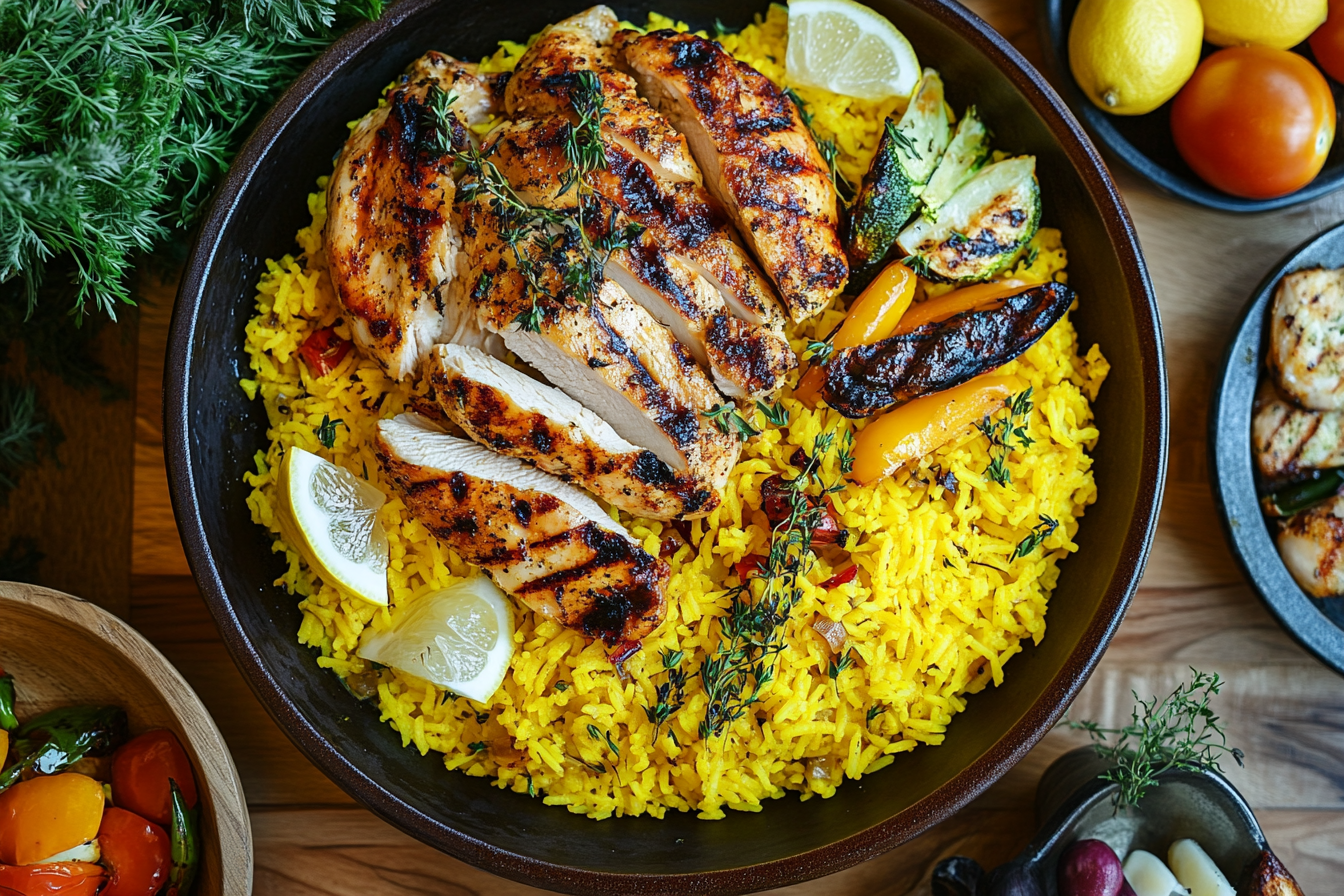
(757, 156)
(610, 355)
(746, 358)
(511, 413)
(391, 243)
(539, 538)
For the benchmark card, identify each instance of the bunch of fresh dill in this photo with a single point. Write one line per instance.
(117, 117)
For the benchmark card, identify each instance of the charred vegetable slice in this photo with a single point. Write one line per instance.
(866, 379)
(965, 155)
(184, 843)
(906, 156)
(1301, 495)
(982, 226)
(56, 740)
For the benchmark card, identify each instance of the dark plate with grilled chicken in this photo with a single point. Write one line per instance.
(1276, 445)
(213, 432)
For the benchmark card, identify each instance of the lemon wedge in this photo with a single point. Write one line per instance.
(849, 49)
(460, 638)
(330, 516)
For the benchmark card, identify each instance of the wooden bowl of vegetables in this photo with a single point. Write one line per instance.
(94, 725)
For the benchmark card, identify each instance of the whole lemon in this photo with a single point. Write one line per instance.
(1268, 23)
(1131, 56)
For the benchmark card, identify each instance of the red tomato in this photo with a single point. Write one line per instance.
(136, 853)
(55, 879)
(1327, 42)
(140, 773)
(323, 350)
(1255, 121)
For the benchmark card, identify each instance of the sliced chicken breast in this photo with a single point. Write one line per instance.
(1289, 440)
(757, 156)
(1306, 338)
(390, 239)
(609, 354)
(511, 413)
(545, 78)
(747, 356)
(543, 541)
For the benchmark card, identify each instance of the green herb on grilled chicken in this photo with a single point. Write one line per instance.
(729, 421)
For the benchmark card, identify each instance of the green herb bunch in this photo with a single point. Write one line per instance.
(1180, 731)
(118, 116)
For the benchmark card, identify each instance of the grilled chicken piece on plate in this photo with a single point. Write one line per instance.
(757, 156)
(739, 339)
(1306, 338)
(542, 540)
(1289, 440)
(609, 354)
(546, 78)
(511, 413)
(391, 244)
(1312, 546)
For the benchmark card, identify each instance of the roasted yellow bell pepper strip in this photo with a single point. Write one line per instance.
(872, 318)
(918, 427)
(4, 746)
(968, 298)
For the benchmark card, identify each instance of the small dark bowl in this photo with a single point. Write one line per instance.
(1315, 624)
(212, 432)
(1073, 803)
(1144, 142)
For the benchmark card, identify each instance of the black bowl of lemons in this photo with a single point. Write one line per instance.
(1230, 104)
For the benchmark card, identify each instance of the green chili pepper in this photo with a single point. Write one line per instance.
(1301, 495)
(184, 840)
(8, 721)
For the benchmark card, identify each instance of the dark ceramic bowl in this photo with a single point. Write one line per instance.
(1072, 803)
(1315, 624)
(1144, 142)
(212, 433)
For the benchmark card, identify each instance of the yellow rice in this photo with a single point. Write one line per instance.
(936, 613)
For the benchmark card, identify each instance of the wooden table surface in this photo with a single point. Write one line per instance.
(1281, 706)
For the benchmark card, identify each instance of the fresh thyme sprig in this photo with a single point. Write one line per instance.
(326, 431)
(1180, 731)
(1005, 434)
(670, 694)
(829, 151)
(729, 421)
(919, 265)
(845, 453)
(776, 414)
(818, 351)
(742, 665)
(1039, 533)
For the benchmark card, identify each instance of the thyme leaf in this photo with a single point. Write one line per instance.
(1039, 533)
(729, 421)
(818, 351)
(326, 431)
(1005, 434)
(776, 413)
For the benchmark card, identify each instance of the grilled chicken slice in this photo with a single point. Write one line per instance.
(390, 239)
(742, 344)
(1312, 546)
(1289, 440)
(511, 413)
(610, 355)
(540, 539)
(1306, 338)
(546, 76)
(758, 158)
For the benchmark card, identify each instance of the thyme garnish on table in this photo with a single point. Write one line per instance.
(743, 662)
(536, 233)
(1005, 434)
(1180, 731)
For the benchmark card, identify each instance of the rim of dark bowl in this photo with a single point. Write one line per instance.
(837, 856)
(1054, 37)
(1232, 474)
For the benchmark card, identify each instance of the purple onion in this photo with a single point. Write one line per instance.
(1090, 868)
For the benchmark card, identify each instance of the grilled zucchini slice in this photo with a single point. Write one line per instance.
(906, 156)
(965, 155)
(982, 226)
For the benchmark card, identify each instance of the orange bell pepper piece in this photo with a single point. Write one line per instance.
(44, 816)
(969, 298)
(4, 746)
(872, 318)
(917, 427)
